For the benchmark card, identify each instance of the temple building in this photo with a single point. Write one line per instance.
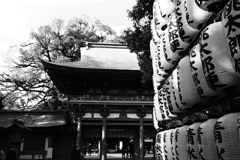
(111, 106)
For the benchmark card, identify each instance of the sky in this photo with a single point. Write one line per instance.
(19, 17)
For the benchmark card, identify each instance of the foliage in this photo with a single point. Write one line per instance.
(26, 86)
(138, 38)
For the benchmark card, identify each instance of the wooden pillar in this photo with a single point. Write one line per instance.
(79, 134)
(104, 113)
(141, 114)
(79, 113)
(104, 139)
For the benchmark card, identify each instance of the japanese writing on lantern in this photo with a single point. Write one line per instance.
(208, 66)
(190, 136)
(217, 132)
(231, 20)
(199, 135)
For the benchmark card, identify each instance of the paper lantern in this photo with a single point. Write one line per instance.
(158, 75)
(162, 52)
(154, 35)
(206, 141)
(186, 32)
(171, 55)
(230, 23)
(195, 16)
(209, 5)
(176, 45)
(161, 114)
(155, 121)
(164, 98)
(216, 63)
(187, 90)
(167, 144)
(199, 79)
(181, 143)
(192, 143)
(159, 22)
(158, 146)
(170, 96)
(173, 143)
(166, 7)
(175, 88)
(227, 136)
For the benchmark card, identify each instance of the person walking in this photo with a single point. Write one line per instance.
(11, 154)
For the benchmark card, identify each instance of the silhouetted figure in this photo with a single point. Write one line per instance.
(84, 151)
(127, 150)
(123, 151)
(89, 149)
(131, 151)
(11, 154)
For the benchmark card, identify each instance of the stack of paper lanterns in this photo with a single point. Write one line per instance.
(199, 77)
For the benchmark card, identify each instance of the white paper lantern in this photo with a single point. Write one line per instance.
(167, 7)
(159, 146)
(181, 143)
(216, 63)
(155, 121)
(186, 32)
(199, 79)
(208, 5)
(159, 22)
(167, 144)
(192, 143)
(187, 90)
(176, 45)
(155, 37)
(227, 136)
(162, 54)
(195, 16)
(173, 143)
(206, 141)
(158, 75)
(230, 21)
(166, 105)
(170, 97)
(175, 88)
(161, 113)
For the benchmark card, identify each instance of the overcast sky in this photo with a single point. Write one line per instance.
(20, 17)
